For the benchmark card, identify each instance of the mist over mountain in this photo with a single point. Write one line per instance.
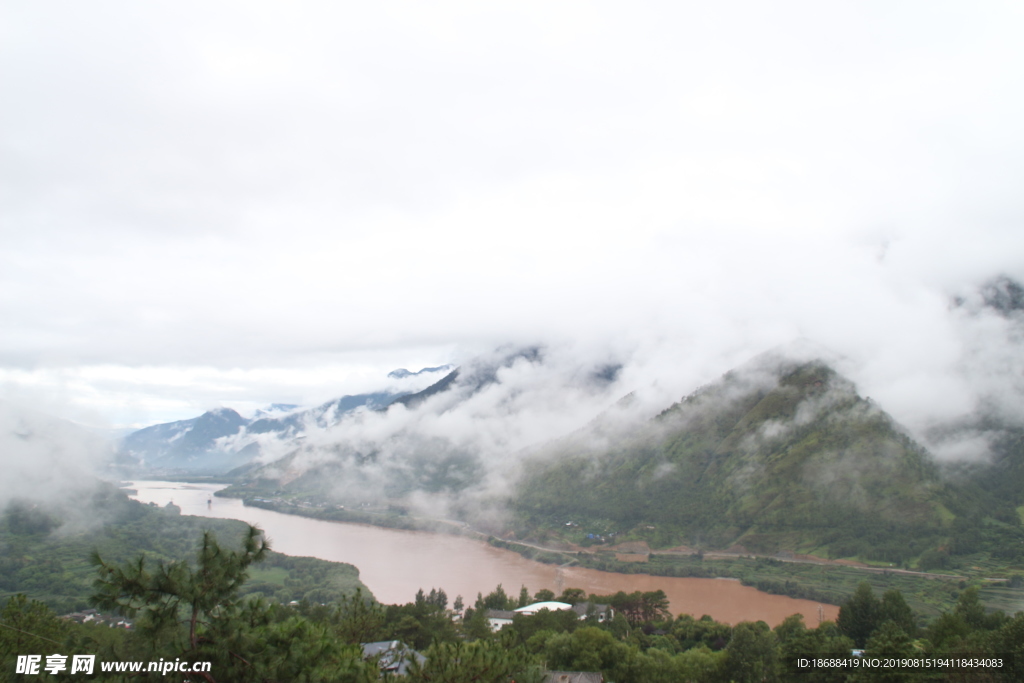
(415, 453)
(402, 373)
(276, 410)
(677, 277)
(779, 454)
(221, 440)
(990, 370)
(1001, 294)
(44, 458)
(453, 445)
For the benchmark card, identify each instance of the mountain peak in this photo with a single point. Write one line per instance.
(223, 413)
(1003, 294)
(1000, 294)
(276, 410)
(777, 453)
(402, 373)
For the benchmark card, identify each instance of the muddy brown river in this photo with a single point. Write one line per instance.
(394, 563)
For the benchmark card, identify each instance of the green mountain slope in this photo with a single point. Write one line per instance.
(45, 549)
(776, 456)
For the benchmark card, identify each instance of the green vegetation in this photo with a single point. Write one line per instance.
(195, 611)
(781, 461)
(46, 550)
(427, 465)
(801, 463)
(827, 583)
(779, 458)
(390, 518)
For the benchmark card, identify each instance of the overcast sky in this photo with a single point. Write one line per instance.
(234, 203)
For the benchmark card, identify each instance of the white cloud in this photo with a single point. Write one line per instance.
(250, 202)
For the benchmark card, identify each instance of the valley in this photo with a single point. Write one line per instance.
(395, 563)
(774, 493)
(779, 474)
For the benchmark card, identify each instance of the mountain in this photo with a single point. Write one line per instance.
(344, 465)
(46, 456)
(384, 464)
(324, 415)
(195, 444)
(784, 455)
(777, 455)
(276, 410)
(47, 541)
(983, 451)
(221, 440)
(465, 382)
(402, 373)
(1001, 294)
(781, 454)
(444, 384)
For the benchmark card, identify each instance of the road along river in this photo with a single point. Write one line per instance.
(395, 563)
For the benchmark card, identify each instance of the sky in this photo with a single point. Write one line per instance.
(239, 203)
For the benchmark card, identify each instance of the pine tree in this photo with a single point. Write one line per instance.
(29, 626)
(478, 662)
(357, 619)
(193, 612)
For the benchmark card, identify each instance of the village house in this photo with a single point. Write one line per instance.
(498, 618)
(393, 656)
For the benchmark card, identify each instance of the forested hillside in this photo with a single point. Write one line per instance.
(777, 455)
(46, 549)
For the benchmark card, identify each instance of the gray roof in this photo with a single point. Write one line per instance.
(394, 655)
(574, 677)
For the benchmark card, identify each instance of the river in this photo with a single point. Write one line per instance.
(394, 563)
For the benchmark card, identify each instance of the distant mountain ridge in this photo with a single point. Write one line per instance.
(781, 454)
(413, 463)
(402, 373)
(185, 443)
(221, 440)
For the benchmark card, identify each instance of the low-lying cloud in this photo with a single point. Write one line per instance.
(219, 207)
(46, 459)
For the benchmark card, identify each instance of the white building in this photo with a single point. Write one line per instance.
(550, 605)
(497, 618)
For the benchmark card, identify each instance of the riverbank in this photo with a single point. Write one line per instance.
(387, 520)
(395, 563)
